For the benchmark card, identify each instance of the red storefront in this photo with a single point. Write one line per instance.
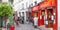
(35, 9)
(47, 13)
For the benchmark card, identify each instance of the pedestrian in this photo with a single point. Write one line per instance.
(8, 26)
(22, 19)
(18, 21)
(35, 20)
(12, 27)
(28, 20)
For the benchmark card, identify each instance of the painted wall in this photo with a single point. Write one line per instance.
(4, 0)
(58, 14)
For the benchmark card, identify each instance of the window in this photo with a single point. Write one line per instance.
(36, 14)
(22, 6)
(26, 4)
(31, 5)
(43, 12)
(35, 2)
(50, 11)
(11, 1)
(22, 0)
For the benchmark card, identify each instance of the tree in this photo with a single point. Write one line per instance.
(5, 10)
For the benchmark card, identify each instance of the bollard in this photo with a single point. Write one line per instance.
(12, 28)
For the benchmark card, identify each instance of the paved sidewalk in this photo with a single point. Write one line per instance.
(0, 28)
(4, 29)
(25, 27)
(28, 27)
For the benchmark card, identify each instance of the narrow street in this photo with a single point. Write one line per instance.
(25, 27)
(23, 14)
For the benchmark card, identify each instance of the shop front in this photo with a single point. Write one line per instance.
(35, 12)
(48, 14)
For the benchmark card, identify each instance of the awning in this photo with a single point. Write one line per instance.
(35, 8)
(47, 3)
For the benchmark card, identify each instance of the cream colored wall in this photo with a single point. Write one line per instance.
(58, 14)
(4, 0)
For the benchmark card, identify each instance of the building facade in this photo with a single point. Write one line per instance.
(23, 6)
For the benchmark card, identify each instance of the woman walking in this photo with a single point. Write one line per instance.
(35, 20)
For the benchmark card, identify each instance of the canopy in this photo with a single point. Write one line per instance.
(47, 3)
(35, 8)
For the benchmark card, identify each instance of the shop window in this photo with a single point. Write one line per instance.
(50, 18)
(50, 11)
(36, 14)
(43, 12)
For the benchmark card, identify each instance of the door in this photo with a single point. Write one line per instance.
(50, 18)
(42, 16)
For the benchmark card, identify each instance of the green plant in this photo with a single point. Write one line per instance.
(5, 10)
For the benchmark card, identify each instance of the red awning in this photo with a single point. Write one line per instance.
(35, 8)
(54, 2)
(48, 3)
